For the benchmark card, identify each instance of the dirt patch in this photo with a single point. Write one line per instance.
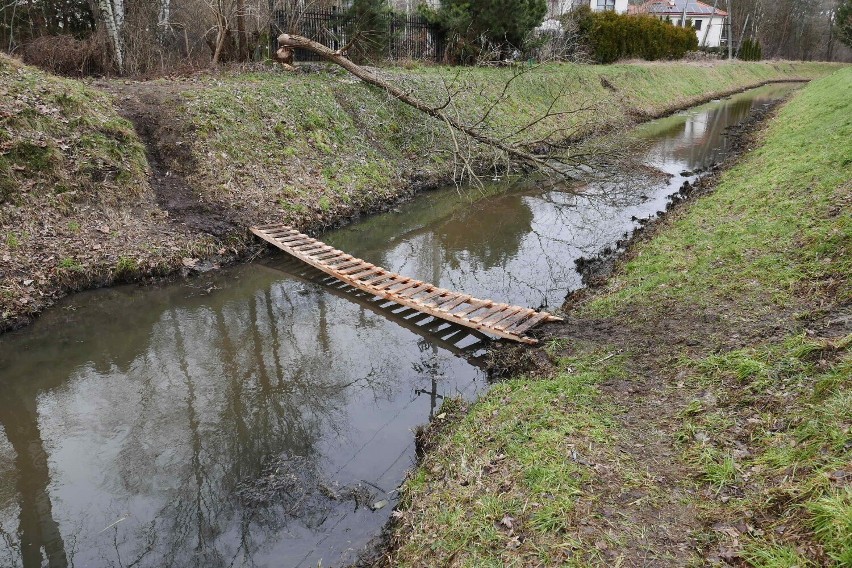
(170, 157)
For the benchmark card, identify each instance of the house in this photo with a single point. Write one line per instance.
(410, 6)
(556, 8)
(710, 23)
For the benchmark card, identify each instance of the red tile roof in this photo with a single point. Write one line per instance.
(675, 8)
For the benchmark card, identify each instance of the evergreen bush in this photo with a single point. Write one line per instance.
(610, 37)
(750, 50)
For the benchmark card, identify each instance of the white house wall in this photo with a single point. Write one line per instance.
(556, 8)
(714, 35)
(620, 6)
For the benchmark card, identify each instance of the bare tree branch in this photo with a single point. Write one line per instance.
(513, 150)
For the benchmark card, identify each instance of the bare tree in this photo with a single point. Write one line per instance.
(112, 13)
(542, 143)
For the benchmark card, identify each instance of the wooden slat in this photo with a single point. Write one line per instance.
(535, 320)
(501, 315)
(349, 264)
(502, 320)
(392, 281)
(510, 321)
(364, 273)
(416, 290)
(495, 309)
(314, 248)
(362, 266)
(427, 299)
(474, 306)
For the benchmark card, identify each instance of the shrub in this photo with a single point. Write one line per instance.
(610, 37)
(496, 26)
(67, 55)
(750, 50)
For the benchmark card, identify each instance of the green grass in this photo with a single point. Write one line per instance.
(59, 136)
(764, 252)
(831, 520)
(797, 431)
(69, 263)
(511, 471)
(774, 556)
(270, 138)
(763, 429)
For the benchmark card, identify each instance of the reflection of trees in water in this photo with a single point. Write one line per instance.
(699, 141)
(38, 536)
(488, 234)
(215, 391)
(563, 225)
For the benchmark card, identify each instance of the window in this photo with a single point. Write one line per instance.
(604, 5)
(697, 24)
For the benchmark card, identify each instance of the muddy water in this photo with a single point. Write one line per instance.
(261, 416)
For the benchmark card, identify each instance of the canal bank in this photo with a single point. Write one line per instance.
(95, 200)
(696, 408)
(257, 413)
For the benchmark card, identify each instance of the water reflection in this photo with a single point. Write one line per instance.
(179, 419)
(252, 417)
(520, 246)
(695, 139)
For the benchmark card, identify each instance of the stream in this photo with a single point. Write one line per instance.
(259, 416)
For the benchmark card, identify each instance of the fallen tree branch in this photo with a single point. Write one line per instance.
(538, 161)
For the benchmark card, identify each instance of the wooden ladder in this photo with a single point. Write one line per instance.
(487, 316)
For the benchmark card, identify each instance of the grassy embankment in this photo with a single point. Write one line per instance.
(700, 406)
(77, 208)
(314, 148)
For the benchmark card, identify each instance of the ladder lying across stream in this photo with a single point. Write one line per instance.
(487, 316)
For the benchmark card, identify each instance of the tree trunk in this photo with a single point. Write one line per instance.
(112, 13)
(242, 39)
(336, 57)
(164, 23)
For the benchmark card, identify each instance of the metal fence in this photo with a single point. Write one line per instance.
(408, 36)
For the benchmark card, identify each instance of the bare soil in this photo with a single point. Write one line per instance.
(171, 159)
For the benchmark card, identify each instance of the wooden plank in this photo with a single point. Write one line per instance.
(355, 269)
(365, 273)
(474, 306)
(304, 247)
(495, 309)
(280, 233)
(394, 279)
(313, 248)
(349, 264)
(337, 261)
(454, 303)
(319, 250)
(295, 239)
(435, 302)
(372, 284)
(429, 296)
(416, 290)
(408, 285)
(520, 328)
(500, 316)
(510, 321)
(328, 256)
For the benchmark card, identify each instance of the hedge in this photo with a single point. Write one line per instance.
(610, 37)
